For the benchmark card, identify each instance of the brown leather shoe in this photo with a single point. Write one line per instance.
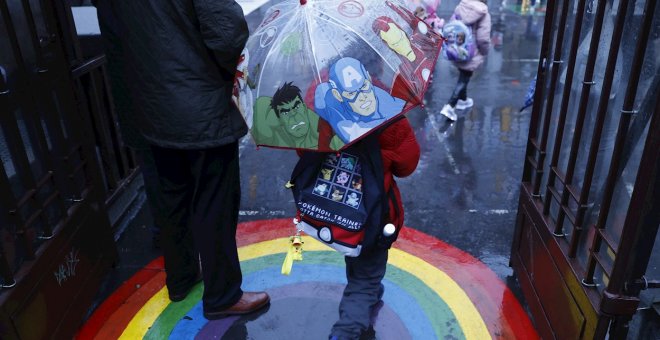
(249, 302)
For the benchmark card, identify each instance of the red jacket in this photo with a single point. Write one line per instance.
(400, 152)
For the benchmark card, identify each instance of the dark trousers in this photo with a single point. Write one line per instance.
(460, 91)
(362, 293)
(152, 190)
(200, 197)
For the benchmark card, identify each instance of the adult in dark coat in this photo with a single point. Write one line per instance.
(176, 60)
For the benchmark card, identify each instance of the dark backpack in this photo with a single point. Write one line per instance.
(341, 198)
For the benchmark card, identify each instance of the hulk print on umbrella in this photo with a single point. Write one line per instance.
(285, 120)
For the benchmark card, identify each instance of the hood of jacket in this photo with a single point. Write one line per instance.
(470, 11)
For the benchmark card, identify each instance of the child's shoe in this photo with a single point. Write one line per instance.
(464, 104)
(448, 112)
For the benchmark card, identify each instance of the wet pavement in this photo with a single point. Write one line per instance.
(462, 198)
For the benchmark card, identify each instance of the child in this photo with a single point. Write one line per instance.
(474, 13)
(400, 153)
(430, 18)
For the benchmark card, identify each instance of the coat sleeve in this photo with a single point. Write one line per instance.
(223, 29)
(399, 148)
(483, 34)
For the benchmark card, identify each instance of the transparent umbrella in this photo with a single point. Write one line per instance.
(321, 74)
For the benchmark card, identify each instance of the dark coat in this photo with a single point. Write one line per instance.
(179, 60)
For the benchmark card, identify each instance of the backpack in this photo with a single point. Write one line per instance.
(341, 198)
(459, 44)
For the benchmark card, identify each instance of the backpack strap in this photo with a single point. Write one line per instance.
(369, 148)
(393, 199)
(374, 234)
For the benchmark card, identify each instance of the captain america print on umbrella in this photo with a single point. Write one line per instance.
(320, 75)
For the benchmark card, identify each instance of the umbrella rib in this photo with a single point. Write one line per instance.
(274, 21)
(332, 41)
(340, 24)
(311, 43)
(270, 52)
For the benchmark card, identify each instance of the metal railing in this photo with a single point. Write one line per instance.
(600, 248)
(59, 132)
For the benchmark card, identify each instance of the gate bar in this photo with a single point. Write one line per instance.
(601, 111)
(99, 115)
(34, 36)
(35, 132)
(563, 108)
(118, 143)
(552, 88)
(622, 132)
(23, 171)
(616, 284)
(640, 227)
(67, 29)
(8, 202)
(11, 33)
(532, 144)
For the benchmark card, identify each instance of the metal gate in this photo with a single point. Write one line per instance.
(63, 168)
(589, 205)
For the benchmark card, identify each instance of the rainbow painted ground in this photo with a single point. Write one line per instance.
(432, 291)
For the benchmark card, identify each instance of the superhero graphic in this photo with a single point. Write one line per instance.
(416, 62)
(285, 120)
(350, 102)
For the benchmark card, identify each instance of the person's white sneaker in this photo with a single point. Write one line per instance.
(448, 112)
(464, 104)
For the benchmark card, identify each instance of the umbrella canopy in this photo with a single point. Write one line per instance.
(321, 74)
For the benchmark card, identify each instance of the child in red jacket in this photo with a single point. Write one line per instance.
(364, 290)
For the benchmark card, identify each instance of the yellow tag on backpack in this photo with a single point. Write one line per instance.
(293, 253)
